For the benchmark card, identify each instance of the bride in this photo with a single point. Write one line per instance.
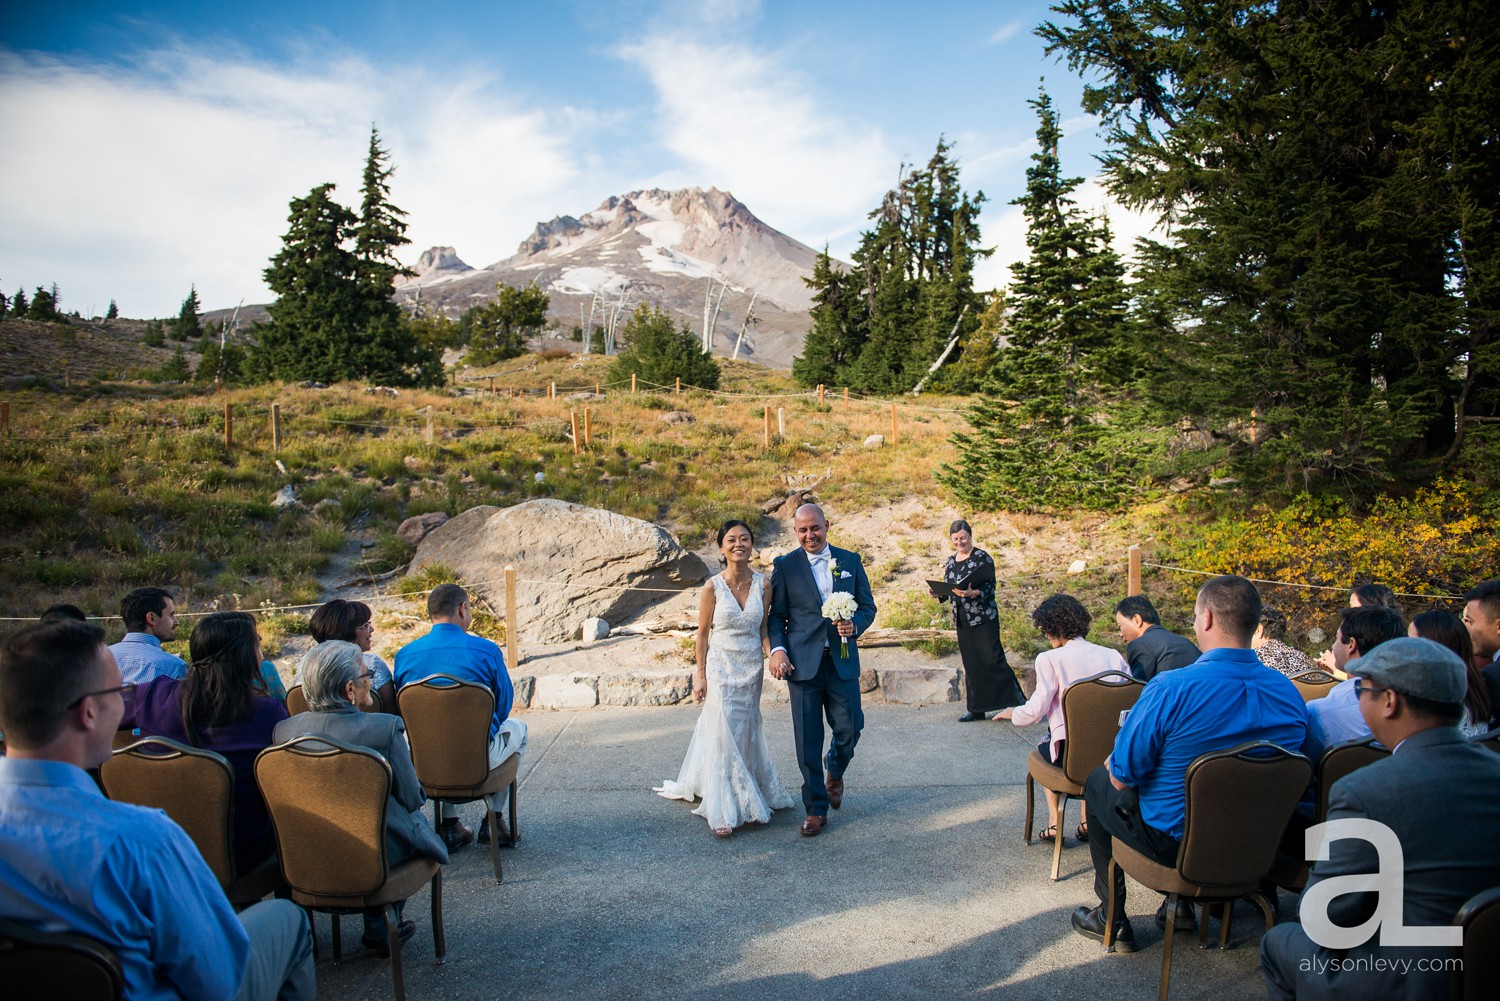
(727, 763)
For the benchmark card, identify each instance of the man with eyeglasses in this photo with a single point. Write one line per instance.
(71, 860)
(1481, 617)
(1439, 794)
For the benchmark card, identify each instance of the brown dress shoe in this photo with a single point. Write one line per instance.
(813, 825)
(835, 792)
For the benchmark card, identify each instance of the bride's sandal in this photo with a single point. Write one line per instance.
(723, 832)
(1048, 833)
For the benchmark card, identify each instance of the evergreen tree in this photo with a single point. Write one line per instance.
(175, 369)
(19, 305)
(498, 329)
(658, 354)
(879, 328)
(187, 326)
(43, 305)
(381, 227)
(1040, 436)
(1327, 305)
(4, 305)
(152, 335)
(223, 366)
(113, 312)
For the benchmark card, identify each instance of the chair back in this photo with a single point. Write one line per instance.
(57, 966)
(1314, 684)
(1091, 711)
(1480, 921)
(1490, 740)
(195, 787)
(1338, 761)
(448, 724)
(1238, 803)
(327, 801)
(296, 700)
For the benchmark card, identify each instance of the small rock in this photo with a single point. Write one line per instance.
(868, 680)
(585, 396)
(1317, 635)
(383, 390)
(540, 478)
(919, 685)
(285, 497)
(875, 441)
(1077, 566)
(325, 505)
(414, 529)
(412, 462)
(677, 417)
(315, 385)
(594, 629)
(1223, 481)
(525, 688)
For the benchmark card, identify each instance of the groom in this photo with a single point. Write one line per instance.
(806, 651)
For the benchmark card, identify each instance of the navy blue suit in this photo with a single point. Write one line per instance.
(823, 681)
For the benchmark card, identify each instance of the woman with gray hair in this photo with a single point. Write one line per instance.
(336, 681)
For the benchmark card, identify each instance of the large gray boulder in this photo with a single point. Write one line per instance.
(573, 563)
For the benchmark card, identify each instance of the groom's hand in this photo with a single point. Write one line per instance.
(845, 628)
(780, 665)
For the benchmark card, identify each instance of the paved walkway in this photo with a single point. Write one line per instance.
(920, 887)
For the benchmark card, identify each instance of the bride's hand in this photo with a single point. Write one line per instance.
(700, 689)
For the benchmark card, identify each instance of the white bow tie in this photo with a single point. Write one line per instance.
(823, 556)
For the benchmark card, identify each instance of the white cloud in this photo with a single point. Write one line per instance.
(1005, 32)
(1004, 228)
(751, 123)
(132, 183)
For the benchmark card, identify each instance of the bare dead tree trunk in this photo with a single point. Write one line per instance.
(743, 326)
(952, 340)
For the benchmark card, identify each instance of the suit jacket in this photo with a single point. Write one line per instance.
(1440, 795)
(1157, 650)
(797, 623)
(407, 833)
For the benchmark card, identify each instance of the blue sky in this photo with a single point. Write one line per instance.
(153, 146)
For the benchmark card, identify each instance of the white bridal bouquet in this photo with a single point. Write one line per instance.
(840, 607)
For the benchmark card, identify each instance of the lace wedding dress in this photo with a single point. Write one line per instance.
(728, 764)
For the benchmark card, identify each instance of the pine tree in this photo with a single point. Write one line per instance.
(658, 354)
(152, 335)
(1039, 436)
(43, 305)
(175, 369)
(4, 305)
(498, 330)
(19, 305)
(381, 227)
(837, 333)
(113, 312)
(187, 326)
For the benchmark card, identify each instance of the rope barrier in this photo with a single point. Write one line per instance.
(1288, 583)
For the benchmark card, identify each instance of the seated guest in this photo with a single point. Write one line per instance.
(1447, 629)
(221, 705)
(1335, 717)
(351, 622)
(1149, 648)
(63, 612)
(1364, 596)
(127, 876)
(1482, 617)
(150, 620)
(1064, 622)
(1270, 646)
(337, 683)
(1433, 785)
(1227, 698)
(449, 648)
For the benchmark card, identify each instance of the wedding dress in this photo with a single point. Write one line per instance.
(728, 764)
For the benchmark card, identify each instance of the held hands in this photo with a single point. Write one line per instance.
(780, 666)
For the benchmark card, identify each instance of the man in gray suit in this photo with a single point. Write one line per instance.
(1440, 796)
(809, 651)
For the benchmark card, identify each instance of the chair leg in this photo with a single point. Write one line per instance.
(439, 939)
(489, 818)
(1166, 949)
(1204, 910)
(1030, 808)
(312, 927)
(1224, 927)
(515, 829)
(1109, 909)
(1057, 840)
(338, 944)
(393, 937)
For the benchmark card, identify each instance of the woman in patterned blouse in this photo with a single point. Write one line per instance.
(989, 683)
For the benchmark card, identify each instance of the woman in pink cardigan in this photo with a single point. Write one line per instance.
(1064, 621)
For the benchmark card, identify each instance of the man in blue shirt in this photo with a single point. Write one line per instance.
(1335, 717)
(150, 617)
(1227, 698)
(449, 648)
(128, 876)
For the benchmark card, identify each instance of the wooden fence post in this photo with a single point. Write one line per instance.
(781, 422)
(512, 626)
(228, 425)
(678, 390)
(632, 383)
(846, 396)
(768, 425)
(895, 429)
(429, 424)
(596, 389)
(588, 428)
(5, 418)
(552, 390)
(820, 394)
(577, 443)
(1133, 574)
(275, 427)
(492, 386)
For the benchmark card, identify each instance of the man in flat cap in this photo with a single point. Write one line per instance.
(1439, 795)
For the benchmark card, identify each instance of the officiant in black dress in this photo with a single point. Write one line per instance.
(989, 683)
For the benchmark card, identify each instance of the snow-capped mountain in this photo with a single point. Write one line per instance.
(668, 248)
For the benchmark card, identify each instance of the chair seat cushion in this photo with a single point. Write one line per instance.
(1165, 879)
(403, 881)
(500, 777)
(1050, 776)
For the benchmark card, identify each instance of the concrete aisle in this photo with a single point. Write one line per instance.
(920, 887)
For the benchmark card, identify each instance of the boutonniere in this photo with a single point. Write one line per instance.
(833, 567)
